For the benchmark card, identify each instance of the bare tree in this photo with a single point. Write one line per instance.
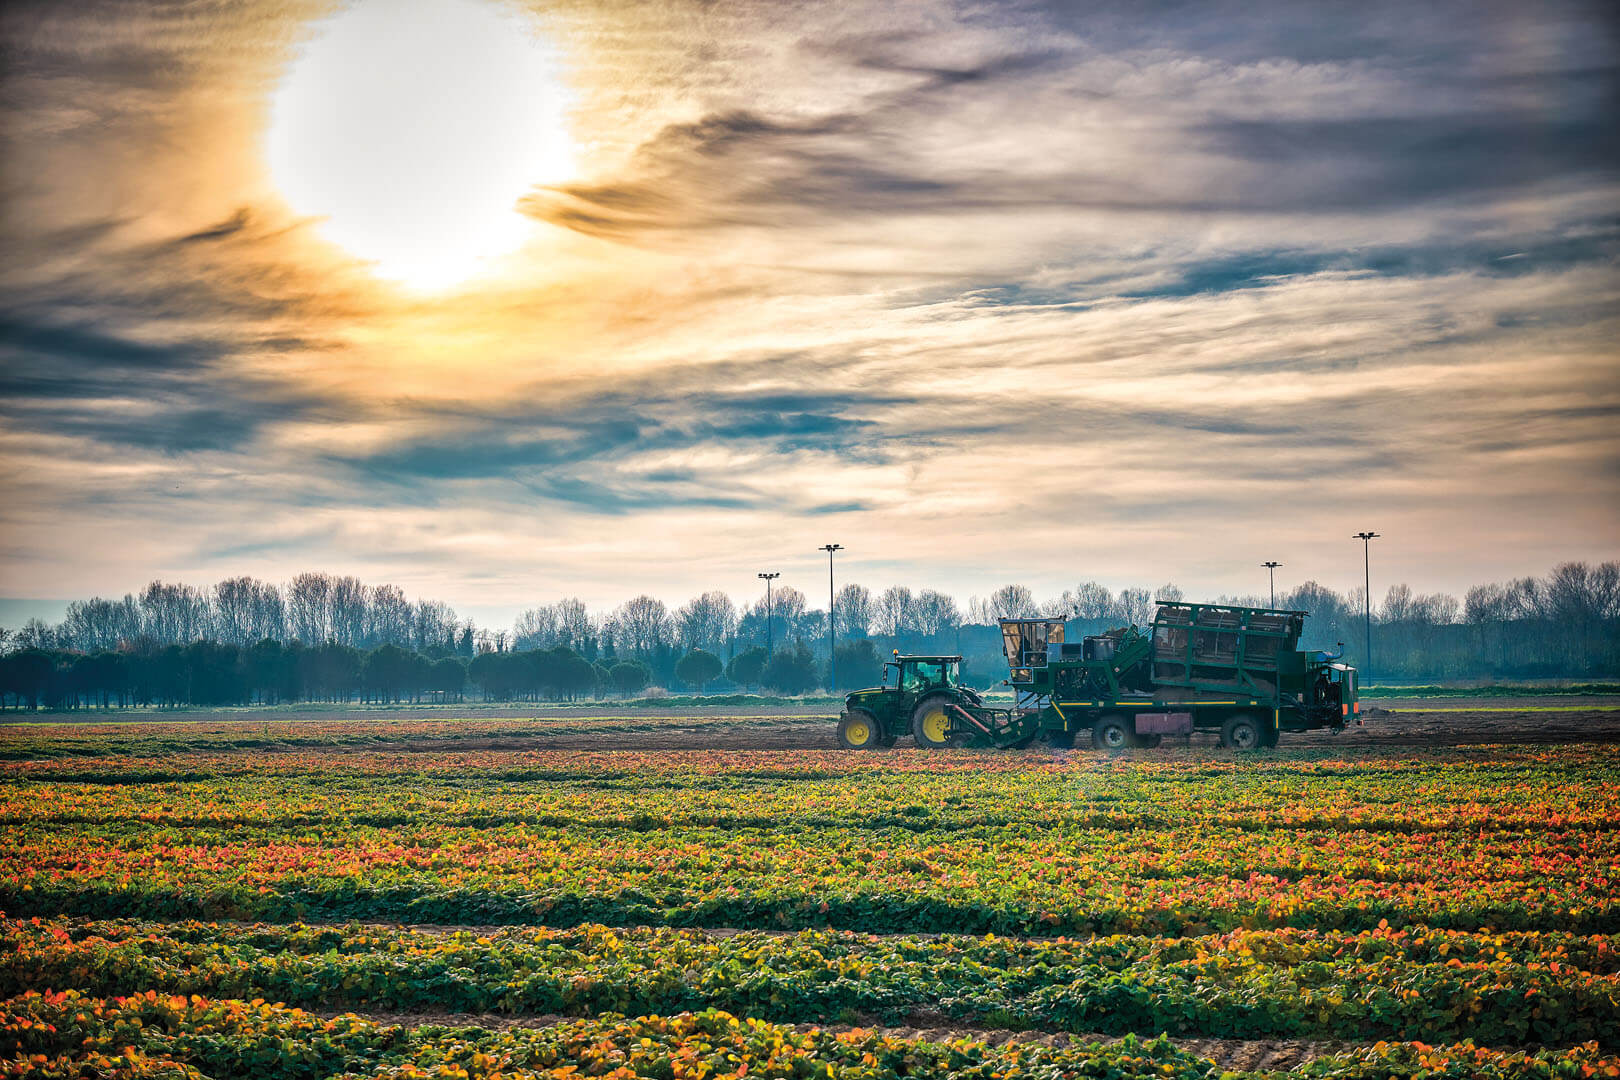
(935, 613)
(309, 603)
(705, 622)
(1010, 602)
(1135, 606)
(433, 626)
(894, 611)
(574, 624)
(640, 625)
(247, 610)
(174, 614)
(349, 609)
(389, 616)
(97, 624)
(536, 628)
(1092, 601)
(855, 611)
(1397, 604)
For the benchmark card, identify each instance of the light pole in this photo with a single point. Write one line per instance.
(1366, 539)
(1272, 566)
(832, 637)
(769, 643)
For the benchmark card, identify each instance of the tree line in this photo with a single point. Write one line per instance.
(322, 637)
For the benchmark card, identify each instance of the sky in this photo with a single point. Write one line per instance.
(503, 303)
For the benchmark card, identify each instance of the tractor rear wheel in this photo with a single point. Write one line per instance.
(1112, 733)
(859, 730)
(931, 722)
(1241, 732)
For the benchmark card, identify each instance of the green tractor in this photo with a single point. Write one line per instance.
(920, 703)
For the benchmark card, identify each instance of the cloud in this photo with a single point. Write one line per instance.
(1017, 291)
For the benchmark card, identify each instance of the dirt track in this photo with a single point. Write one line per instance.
(1426, 724)
(1390, 722)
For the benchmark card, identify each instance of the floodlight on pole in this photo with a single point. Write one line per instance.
(1366, 539)
(769, 643)
(1272, 567)
(832, 636)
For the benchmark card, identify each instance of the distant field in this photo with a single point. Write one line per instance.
(1329, 910)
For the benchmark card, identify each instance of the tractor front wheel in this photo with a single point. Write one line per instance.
(931, 723)
(859, 730)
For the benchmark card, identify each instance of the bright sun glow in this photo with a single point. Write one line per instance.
(412, 128)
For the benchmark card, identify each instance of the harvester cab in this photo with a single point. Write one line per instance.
(1041, 664)
(919, 703)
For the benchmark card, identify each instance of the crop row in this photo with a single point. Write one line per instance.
(1499, 989)
(1010, 880)
(913, 790)
(70, 1035)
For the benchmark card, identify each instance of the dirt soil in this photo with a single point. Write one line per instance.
(1392, 722)
(1387, 722)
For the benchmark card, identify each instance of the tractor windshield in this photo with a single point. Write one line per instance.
(920, 675)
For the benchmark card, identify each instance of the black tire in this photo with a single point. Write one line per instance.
(1268, 735)
(859, 730)
(1061, 740)
(1242, 732)
(1113, 733)
(1149, 742)
(930, 722)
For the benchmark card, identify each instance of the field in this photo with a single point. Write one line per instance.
(576, 894)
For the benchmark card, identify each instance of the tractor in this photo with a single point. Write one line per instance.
(926, 690)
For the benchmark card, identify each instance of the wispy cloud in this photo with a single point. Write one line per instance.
(1012, 291)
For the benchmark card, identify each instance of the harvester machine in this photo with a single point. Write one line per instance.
(1233, 670)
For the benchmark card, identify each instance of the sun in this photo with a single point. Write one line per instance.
(411, 128)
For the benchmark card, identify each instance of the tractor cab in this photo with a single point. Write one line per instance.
(916, 675)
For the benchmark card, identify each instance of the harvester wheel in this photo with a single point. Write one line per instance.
(858, 730)
(931, 722)
(1268, 734)
(1061, 740)
(1112, 733)
(1241, 733)
(1149, 742)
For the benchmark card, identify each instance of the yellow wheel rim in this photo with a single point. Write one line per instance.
(858, 733)
(935, 725)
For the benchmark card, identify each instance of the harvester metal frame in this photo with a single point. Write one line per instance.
(1217, 667)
